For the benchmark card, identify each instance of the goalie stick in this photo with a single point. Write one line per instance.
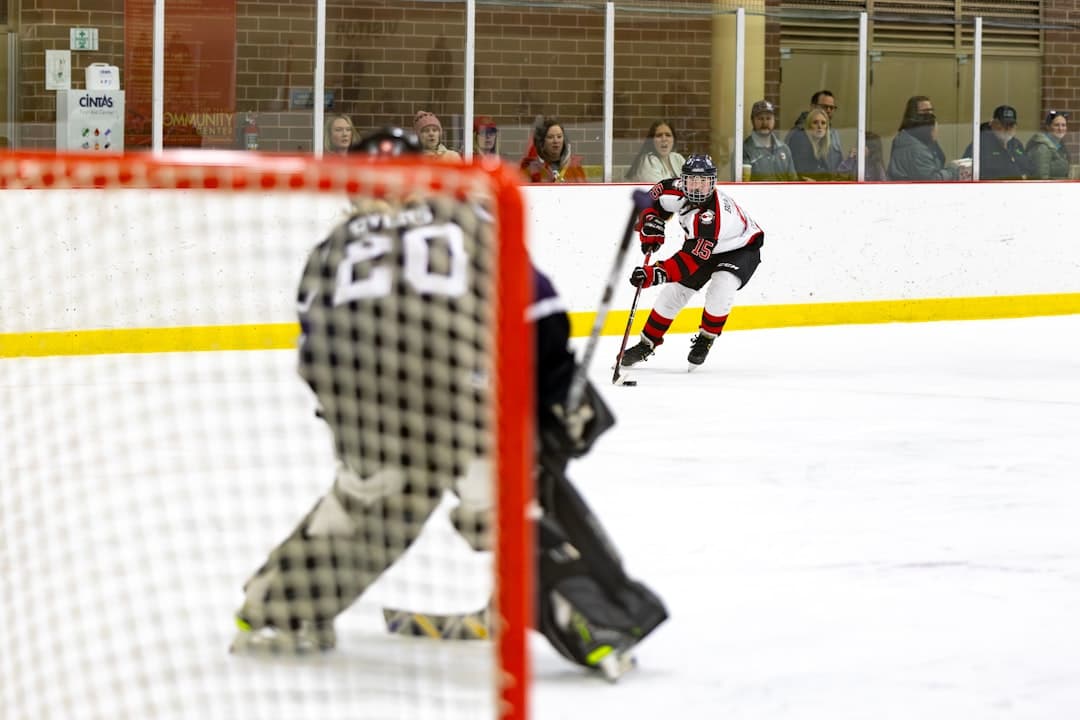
(476, 626)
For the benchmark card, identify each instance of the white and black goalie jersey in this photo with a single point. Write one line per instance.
(395, 312)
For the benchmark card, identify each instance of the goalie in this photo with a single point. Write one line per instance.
(417, 427)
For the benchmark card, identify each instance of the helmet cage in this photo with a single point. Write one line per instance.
(701, 167)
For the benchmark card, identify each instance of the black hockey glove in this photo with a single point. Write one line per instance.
(573, 434)
(647, 276)
(651, 234)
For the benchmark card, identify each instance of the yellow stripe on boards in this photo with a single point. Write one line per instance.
(759, 317)
(277, 336)
(283, 336)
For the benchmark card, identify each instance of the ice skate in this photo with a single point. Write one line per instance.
(607, 651)
(270, 640)
(638, 353)
(616, 663)
(699, 349)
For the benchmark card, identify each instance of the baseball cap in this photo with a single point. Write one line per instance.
(1005, 114)
(483, 122)
(762, 106)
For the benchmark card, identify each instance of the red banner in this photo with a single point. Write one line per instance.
(200, 73)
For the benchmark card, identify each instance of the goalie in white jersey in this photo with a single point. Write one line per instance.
(722, 249)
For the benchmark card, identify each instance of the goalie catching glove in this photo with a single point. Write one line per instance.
(651, 233)
(647, 276)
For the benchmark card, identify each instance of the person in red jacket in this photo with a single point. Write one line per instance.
(549, 159)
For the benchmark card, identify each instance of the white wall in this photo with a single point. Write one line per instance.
(87, 259)
(834, 243)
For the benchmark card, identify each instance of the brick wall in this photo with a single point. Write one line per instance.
(385, 59)
(1061, 76)
(772, 52)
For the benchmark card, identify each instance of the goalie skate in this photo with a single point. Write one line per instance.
(616, 664)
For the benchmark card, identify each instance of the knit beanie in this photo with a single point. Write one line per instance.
(423, 119)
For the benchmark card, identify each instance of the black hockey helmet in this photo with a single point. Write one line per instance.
(388, 142)
(699, 166)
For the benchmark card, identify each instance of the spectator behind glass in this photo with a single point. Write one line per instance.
(485, 136)
(1048, 158)
(549, 159)
(874, 170)
(768, 157)
(338, 134)
(816, 158)
(913, 156)
(822, 100)
(1001, 155)
(429, 130)
(917, 104)
(657, 159)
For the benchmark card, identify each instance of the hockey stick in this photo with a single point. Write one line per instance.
(577, 384)
(626, 333)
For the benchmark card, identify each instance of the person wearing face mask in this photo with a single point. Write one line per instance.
(549, 159)
(657, 159)
(1001, 155)
(769, 158)
(1047, 155)
(815, 155)
(917, 104)
(914, 155)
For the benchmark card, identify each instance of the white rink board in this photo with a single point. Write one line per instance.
(824, 243)
(846, 242)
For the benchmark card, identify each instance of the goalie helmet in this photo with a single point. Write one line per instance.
(698, 178)
(388, 142)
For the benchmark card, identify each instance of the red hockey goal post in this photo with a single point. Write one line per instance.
(157, 441)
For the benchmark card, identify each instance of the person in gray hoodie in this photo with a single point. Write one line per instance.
(913, 156)
(1046, 151)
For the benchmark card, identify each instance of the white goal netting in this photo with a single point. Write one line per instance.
(163, 442)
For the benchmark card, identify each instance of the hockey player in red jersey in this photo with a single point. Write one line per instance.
(722, 249)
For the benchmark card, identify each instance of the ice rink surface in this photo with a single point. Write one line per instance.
(866, 522)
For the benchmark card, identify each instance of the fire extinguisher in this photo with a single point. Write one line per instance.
(251, 133)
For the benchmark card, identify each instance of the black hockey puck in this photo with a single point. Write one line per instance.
(630, 383)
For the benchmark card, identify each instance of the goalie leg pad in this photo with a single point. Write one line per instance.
(589, 608)
(585, 626)
(336, 552)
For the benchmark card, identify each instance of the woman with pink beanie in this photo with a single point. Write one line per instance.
(429, 130)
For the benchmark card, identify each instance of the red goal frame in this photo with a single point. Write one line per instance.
(357, 175)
